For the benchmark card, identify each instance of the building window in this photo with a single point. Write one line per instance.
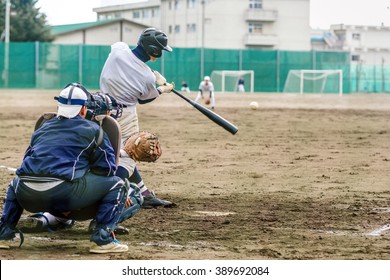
(145, 13)
(355, 57)
(177, 28)
(117, 15)
(191, 4)
(170, 29)
(356, 36)
(255, 4)
(155, 12)
(255, 28)
(136, 14)
(177, 5)
(191, 27)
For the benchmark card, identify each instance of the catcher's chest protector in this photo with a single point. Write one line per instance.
(108, 125)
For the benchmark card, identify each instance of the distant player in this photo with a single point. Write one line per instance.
(185, 87)
(206, 86)
(240, 85)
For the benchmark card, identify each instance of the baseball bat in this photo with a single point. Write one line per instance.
(210, 114)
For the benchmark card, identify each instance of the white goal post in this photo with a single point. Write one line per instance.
(227, 80)
(314, 81)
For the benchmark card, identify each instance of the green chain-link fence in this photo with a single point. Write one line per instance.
(44, 65)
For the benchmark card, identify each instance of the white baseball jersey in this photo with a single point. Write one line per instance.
(206, 88)
(126, 77)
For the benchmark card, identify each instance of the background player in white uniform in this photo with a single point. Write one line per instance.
(206, 86)
(130, 81)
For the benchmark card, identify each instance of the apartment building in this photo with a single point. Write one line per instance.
(224, 24)
(368, 45)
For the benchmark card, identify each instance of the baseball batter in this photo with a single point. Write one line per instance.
(130, 81)
(206, 86)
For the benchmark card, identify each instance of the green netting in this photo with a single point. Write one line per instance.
(313, 81)
(21, 66)
(181, 64)
(370, 78)
(44, 65)
(335, 60)
(264, 65)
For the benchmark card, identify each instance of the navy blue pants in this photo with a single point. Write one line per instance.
(91, 197)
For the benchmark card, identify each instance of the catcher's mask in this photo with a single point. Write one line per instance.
(98, 104)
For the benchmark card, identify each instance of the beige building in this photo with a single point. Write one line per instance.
(368, 45)
(104, 32)
(235, 24)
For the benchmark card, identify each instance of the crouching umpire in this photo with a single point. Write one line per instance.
(65, 172)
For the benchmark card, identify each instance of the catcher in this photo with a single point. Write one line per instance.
(141, 146)
(66, 172)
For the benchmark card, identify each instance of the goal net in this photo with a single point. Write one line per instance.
(314, 81)
(227, 81)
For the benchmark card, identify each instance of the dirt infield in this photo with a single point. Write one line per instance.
(305, 177)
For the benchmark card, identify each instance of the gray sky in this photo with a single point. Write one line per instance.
(323, 13)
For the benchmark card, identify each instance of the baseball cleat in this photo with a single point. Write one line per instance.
(113, 247)
(151, 201)
(4, 244)
(118, 229)
(121, 230)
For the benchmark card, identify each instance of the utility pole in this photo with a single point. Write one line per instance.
(203, 36)
(6, 50)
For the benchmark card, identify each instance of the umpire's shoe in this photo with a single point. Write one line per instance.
(151, 201)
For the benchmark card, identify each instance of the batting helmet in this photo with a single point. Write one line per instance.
(153, 41)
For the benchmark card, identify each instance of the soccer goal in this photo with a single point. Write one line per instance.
(227, 81)
(314, 81)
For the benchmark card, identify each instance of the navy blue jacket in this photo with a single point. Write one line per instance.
(66, 149)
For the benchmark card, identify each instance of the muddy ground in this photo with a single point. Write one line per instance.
(306, 177)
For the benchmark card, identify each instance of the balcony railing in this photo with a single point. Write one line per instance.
(256, 39)
(261, 15)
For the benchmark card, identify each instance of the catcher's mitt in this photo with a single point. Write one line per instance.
(143, 146)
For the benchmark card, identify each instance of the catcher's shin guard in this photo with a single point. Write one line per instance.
(102, 236)
(129, 212)
(136, 202)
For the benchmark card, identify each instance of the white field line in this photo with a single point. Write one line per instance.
(213, 213)
(8, 168)
(380, 230)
